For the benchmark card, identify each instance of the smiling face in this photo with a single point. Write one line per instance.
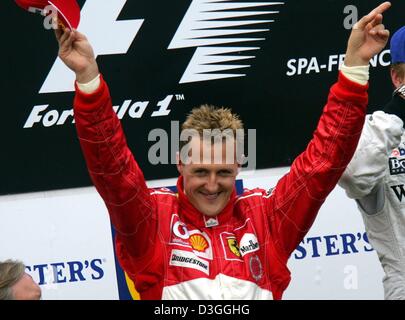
(209, 161)
(208, 184)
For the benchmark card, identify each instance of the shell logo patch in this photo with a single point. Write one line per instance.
(198, 242)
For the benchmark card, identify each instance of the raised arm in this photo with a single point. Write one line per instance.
(111, 165)
(299, 195)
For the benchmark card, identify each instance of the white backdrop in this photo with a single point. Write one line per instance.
(68, 227)
(71, 230)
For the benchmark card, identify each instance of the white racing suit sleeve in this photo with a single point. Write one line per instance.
(363, 177)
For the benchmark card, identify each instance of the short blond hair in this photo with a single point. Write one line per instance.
(212, 117)
(10, 273)
(209, 117)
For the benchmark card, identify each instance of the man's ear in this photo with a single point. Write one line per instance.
(179, 164)
(397, 81)
(241, 162)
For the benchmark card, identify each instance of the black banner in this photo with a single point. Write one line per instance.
(271, 62)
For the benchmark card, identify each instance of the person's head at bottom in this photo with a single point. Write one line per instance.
(16, 284)
(210, 156)
(397, 47)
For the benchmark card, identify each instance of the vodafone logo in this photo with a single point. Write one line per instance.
(106, 34)
(180, 230)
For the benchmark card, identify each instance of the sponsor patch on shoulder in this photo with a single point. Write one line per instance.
(248, 242)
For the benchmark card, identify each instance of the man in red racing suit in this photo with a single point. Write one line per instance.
(167, 244)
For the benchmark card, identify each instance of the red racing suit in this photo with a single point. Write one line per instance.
(172, 251)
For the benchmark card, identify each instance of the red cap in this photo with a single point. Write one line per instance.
(68, 10)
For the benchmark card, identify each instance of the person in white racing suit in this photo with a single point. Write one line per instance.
(375, 177)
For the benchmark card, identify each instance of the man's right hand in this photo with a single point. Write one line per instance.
(368, 37)
(77, 54)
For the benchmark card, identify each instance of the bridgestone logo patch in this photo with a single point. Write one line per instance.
(180, 258)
